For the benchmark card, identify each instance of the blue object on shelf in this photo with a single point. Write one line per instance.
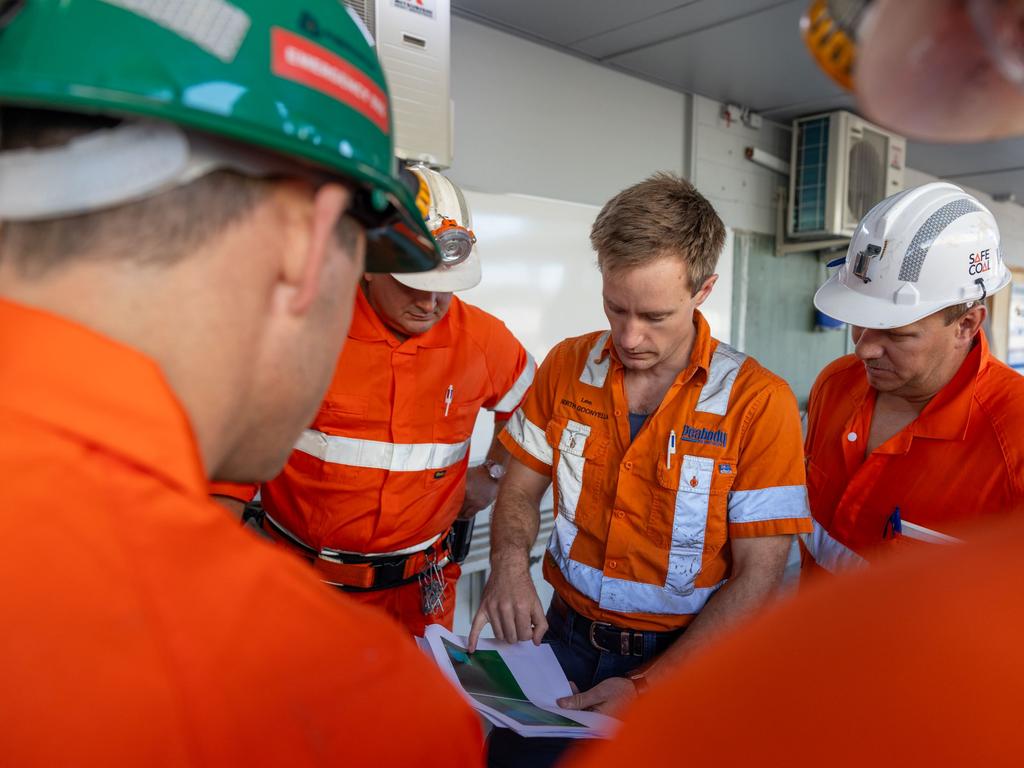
(827, 323)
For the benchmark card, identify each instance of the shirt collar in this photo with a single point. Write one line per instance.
(78, 382)
(367, 326)
(700, 355)
(947, 415)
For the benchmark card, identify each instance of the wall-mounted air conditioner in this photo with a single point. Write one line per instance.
(413, 40)
(841, 166)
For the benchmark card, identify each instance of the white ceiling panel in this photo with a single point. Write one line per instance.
(757, 60)
(562, 21)
(687, 19)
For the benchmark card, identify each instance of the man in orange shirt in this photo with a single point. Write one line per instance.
(918, 431)
(140, 625)
(676, 464)
(372, 491)
(905, 681)
(904, 664)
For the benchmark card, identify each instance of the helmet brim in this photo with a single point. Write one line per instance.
(836, 300)
(461, 277)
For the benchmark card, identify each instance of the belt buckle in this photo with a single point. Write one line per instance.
(593, 640)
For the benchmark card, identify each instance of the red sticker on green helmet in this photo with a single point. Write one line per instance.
(298, 59)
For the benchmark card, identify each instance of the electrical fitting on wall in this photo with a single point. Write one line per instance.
(733, 113)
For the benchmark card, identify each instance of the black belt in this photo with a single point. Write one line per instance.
(352, 572)
(609, 638)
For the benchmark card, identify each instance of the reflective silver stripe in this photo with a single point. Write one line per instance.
(781, 502)
(619, 594)
(634, 597)
(917, 251)
(920, 533)
(529, 437)
(829, 553)
(371, 454)
(514, 396)
(691, 520)
(725, 365)
(580, 576)
(569, 472)
(678, 595)
(595, 372)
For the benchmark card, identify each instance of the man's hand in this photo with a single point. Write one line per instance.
(511, 605)
(481, 490)
(606, 697)
(235, 506)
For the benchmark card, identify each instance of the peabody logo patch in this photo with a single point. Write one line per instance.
(979, 262)
(704, 436)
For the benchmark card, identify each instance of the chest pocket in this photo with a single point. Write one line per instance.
(454, 423)
(697, 491)
(579, 463)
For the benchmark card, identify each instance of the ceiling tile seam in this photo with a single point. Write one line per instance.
(511, 29)
(992, 172)
(629, 24)
(688, 33)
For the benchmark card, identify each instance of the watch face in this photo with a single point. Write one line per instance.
(496, 471)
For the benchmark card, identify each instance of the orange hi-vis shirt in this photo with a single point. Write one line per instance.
(383, 467)
(919, 661)
(143, 626)
(960, 459)
(642, 529)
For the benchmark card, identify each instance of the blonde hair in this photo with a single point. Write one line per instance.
(662, 215)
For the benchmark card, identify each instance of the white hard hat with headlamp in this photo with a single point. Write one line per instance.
(448, 217)
(914, 254)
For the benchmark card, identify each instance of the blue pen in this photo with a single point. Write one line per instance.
(671, 449)
(893, 525)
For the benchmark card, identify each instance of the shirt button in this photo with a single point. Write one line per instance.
(852, 437)
(612, 564)
(618, 412)
(628, 465)
(620, 514)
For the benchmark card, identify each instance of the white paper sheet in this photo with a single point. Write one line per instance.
(514, 685)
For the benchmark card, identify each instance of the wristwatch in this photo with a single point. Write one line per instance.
(639, 680)
(495, 469)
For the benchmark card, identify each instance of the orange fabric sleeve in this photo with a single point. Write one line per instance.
(510, 370)
(243, 492)
(524, 436)
(769, 497)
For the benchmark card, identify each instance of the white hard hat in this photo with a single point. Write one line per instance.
(913, 254)
(448, 218)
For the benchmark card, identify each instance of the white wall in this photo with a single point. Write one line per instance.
(531, 120)
(743, 193)
(534, 121)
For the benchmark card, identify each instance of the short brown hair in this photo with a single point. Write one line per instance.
(951, 314)
(158, 230)
(662, 215)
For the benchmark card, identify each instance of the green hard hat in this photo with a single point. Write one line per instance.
(296, 81)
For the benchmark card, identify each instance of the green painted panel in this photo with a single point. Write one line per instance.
(773, 312)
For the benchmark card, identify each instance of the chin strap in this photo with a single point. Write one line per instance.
(984, 293)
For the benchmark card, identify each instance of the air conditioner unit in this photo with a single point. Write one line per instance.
(840, 166)
(413, 41)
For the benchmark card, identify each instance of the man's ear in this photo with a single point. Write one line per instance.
(970, 323)
(304, 270)
(705, 291)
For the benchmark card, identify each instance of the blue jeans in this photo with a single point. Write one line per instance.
(584, 665)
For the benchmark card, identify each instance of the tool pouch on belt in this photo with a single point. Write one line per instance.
(461, 537)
